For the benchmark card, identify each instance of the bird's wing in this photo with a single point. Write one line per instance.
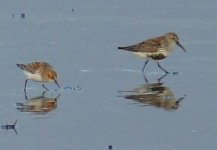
(151, 45)
(33, 67)
(37, 67)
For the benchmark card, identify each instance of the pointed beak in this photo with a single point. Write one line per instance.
(181, 46)
(57, 83)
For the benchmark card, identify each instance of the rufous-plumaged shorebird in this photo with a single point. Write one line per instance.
(39, 72)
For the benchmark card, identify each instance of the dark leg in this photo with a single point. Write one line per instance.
(45, 87)
(159, 80)
(25, 94)
(25, 84)
(44, 93)
(143, 69)
(146, 80)
(162, 68)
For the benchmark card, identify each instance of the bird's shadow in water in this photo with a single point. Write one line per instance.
(39, 105)
(153, 94)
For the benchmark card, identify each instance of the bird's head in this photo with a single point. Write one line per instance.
(52, 77)
(173, 37)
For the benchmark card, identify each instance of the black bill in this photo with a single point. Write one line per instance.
(57, 83)
(181, 46)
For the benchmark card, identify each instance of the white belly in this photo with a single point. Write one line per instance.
(146, 55)
(141, 55)
(34, 77)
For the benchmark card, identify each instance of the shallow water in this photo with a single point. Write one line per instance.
(104, 99)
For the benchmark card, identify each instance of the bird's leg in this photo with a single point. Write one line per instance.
(25, 95)
(159, 80)
(44, 93)
(25, 85)
(146, 80)
(45, 87)
(143, 69)
(162, 68)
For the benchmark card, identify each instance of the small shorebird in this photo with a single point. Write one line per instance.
(39, 72)
(156, 48)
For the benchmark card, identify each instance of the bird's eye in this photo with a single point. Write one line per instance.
(174, 38)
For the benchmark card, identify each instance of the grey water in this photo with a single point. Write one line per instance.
(104, 100)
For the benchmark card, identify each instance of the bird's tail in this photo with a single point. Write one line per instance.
(21, 66)
(128, 48)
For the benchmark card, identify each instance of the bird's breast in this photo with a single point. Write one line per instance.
(157, 56)
(140, 54)
(35, 77)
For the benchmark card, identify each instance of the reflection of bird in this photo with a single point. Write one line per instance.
(155, 95)
(155, 48)
(40, 104)
(39, 72)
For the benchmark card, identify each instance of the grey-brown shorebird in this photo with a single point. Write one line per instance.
(156, 48)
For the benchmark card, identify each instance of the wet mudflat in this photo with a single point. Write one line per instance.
(104, 99)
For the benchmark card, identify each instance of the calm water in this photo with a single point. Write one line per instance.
(109, 103)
